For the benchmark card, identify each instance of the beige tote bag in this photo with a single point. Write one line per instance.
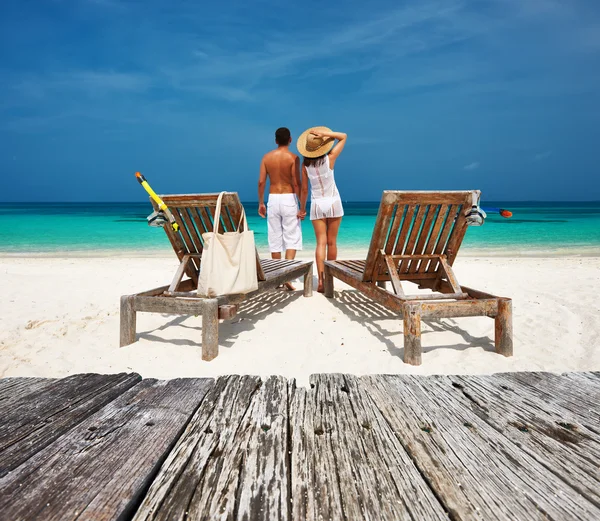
(228, 264)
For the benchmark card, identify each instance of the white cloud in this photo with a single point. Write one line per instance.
(472, 166)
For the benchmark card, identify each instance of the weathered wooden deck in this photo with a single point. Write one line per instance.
(512, 446)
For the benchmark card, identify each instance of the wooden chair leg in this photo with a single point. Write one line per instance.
(328, 283)
(127, 321)
(504, 328)
(210, 329)
(308, 283)
(412, 334)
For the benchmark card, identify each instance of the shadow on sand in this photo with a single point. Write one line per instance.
(359, 308)
(250, 311)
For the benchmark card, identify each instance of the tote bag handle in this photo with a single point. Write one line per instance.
(217, 216)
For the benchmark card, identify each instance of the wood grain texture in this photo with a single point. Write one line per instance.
(231, 462)
(500, 447)
(33, 420)
(347, 462)
(475, 470)
(99, 469)
(555, 438)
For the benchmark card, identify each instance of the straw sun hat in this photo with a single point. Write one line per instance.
(310, 145)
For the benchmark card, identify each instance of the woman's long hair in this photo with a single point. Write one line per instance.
(314, 161)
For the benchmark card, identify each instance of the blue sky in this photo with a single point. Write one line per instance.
(499, 95)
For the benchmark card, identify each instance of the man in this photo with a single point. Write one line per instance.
(282, 167)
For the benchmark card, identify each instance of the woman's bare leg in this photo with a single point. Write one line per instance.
(320, 227)
(333, 226)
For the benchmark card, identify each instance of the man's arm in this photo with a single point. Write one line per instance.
(296, 177)
(262, 183)
(297, 183)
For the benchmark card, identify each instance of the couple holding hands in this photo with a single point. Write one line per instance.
(288, 187)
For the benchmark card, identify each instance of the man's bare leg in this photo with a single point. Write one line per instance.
(290, 255)
(277, 255)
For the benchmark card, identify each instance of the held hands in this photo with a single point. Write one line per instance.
(262, 210)
(301, 214)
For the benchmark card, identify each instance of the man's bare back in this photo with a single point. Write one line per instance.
(282, 167)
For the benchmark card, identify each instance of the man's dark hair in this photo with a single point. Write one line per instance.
(282, 136)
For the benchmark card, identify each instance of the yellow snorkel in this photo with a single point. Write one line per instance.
(157, 218)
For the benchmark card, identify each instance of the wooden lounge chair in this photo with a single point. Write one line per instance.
(416, 238)
(193, 214)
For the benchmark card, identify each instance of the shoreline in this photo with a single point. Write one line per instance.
(566, 253)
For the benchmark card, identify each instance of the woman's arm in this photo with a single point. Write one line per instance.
(339, 146)
(303, 193)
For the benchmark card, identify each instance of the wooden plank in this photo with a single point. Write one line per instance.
(192, 232)
(186, 285)
(178, 245)
(456, 238)
(503, 328)
(450, 277)
(431, 242)
(420, 246)
(440, 246)
(197, 224)
(437, 296)
(308, 282)
(207, 199)
(179, 274)
(392, 270)
(170, 305)
(382, 223)
(207, 218)
(412, 238)
(393, 231)
(231, 462)
(40, 417)
(200, 224)
(426, 197)
(379, 295)
(100, 468)
(462, 308)
(16, 389)
(406, 226)
(127, 321)
(288, 272)
(347, 462)
(559, 442)
(357, 265)
(412, 334)
(474, 470)
(187, 240)
(560, 392)
(232, 218)
(210, 329)
(278, 265)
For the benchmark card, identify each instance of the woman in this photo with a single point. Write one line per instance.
(317, 146)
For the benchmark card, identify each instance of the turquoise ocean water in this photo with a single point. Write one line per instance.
(88, 228)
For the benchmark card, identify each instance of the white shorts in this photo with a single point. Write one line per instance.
(285, 232)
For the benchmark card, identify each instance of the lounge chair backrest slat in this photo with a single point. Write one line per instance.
(194, 213)
(414, 224)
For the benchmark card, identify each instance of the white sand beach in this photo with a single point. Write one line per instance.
(60, 316)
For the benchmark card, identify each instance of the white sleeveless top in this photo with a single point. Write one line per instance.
(324, 195)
